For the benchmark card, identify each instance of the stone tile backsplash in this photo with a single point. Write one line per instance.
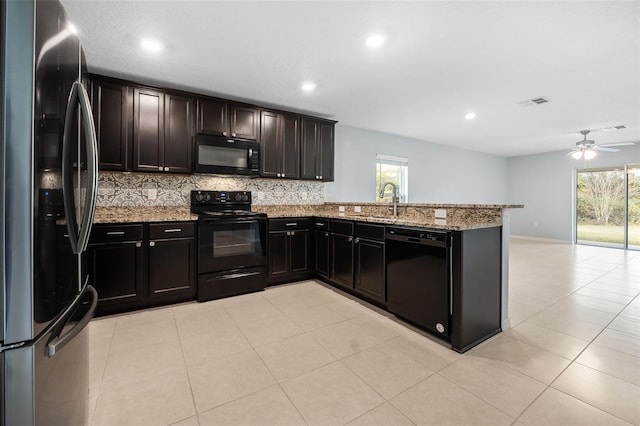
(137, 189)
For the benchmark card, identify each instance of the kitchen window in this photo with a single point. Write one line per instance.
(392, 169)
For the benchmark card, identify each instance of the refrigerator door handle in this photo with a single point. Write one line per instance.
(57, 342)
(79, 235)
(67, 171)
(92, 167)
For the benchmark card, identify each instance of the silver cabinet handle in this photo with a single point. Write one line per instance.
(138, 243)
(350, 239)
(224, 133)
(166, 169)
(320, 176)
(291, 224)
(160, 168)
(320, 224)
(282, 175)
(173, 230)
(115, 233)
(233, 134)
(277, 174)
(357, 240)
(326, 234)
(152, 244)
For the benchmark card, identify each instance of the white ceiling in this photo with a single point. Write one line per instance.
(441, 60)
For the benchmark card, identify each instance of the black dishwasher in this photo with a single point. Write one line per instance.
(419, 277)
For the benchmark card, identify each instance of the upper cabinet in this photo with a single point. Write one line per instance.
(113, 115)
(219, 117)
(162, 132)
(280, 139)
(316, 159)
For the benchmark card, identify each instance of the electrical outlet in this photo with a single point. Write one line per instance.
(341, 209)
(304, 195)
(440, 221)
(440, 213)
(357, 209)
(152, 194)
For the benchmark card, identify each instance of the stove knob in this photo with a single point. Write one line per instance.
(238, 197)
(245, 197)
(207, 197)
(199, 197)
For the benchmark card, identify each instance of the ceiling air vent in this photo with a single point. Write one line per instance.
(535, 101)
(612, 128)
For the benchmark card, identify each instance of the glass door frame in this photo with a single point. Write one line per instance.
(625, 170)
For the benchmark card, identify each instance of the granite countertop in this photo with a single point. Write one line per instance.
(442, 224)
(143, 214)
(432, 205)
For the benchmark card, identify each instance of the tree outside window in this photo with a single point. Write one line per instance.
(392, 169)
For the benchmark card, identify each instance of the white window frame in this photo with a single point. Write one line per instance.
(403, 187)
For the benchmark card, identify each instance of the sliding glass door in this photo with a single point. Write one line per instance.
(608, 207)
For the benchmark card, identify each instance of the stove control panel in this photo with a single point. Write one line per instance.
(220, 197)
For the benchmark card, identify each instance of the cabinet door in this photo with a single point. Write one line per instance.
(278, 254)
(172, 269)
(270, 150)
(322, 252)
(342, 260)
(213, 117)
(148, 130)
(299, 251)
(290, 146)
(308, 141)
(115, 270)
(244, 122)
(369, 268)
(325, 151)
(113, 115)
(178, 121)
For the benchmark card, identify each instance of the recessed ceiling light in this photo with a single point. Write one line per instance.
(470, 115)
(375, 40)
(72, 28)
(152, 45)
(308, 86)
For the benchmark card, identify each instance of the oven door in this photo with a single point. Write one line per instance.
(231, 244)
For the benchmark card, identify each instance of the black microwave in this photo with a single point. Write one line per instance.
(228, 156)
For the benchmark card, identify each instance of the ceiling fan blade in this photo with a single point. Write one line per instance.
(600, 148)
(626, 143)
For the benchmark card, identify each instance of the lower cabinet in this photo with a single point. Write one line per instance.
(321, 238)
(289, 249)
(370, 261)
(130, 270)
(172, 262)
(341, 251)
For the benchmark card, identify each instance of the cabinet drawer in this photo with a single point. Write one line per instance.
(115, 233)
(344, 227)
(171, 230)
(370, 231)
(321, 224)
(289, 224)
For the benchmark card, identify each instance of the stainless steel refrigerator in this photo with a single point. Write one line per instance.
(48, 184)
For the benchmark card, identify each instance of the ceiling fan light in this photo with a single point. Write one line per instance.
(589, 154)
(577, 155)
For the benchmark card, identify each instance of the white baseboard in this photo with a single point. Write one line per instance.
(548, 240)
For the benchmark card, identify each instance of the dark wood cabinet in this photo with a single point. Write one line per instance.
(369, 255)
(112, 105)
(341, 251)
(223, 118)
(280, 145)
(162, 131)
(317, 150)
(178, 141)
(244, 122)
(289, 249)
(213, 116)
(172, 258)
(115, 259)
(321, 246)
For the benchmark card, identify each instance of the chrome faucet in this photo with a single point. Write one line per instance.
(394, 196)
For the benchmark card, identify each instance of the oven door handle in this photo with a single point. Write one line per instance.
(209, 222)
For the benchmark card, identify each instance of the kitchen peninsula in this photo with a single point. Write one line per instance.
(349, 245)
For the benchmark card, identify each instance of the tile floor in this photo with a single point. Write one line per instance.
(304, 354)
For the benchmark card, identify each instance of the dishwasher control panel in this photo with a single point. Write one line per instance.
(420, 234)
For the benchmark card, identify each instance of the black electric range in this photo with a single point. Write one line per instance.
(232, 244)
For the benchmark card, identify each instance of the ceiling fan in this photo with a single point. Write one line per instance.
(586, 148)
